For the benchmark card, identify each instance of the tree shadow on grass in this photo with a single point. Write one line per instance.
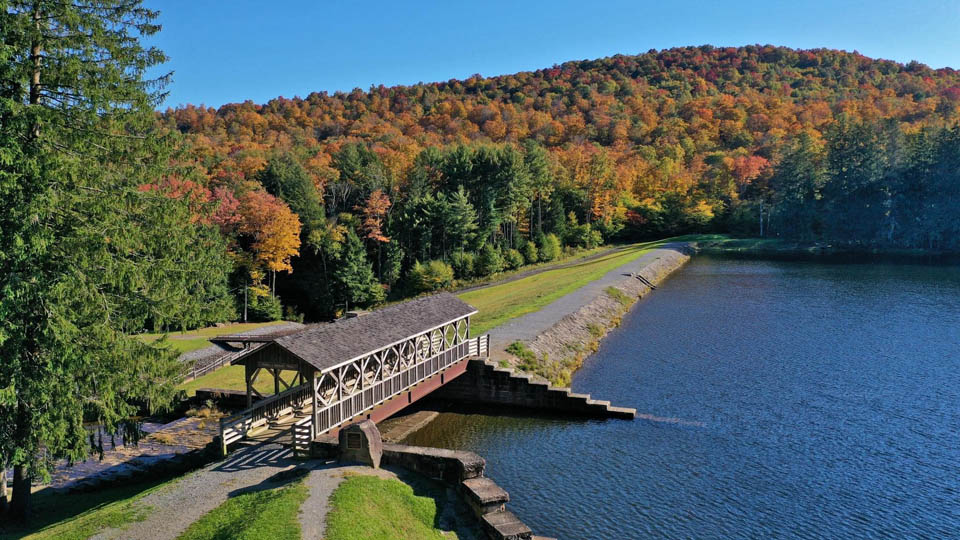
(453, 513)
(50, 507)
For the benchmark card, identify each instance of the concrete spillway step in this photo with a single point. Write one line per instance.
(505, 525)
(487, 383)
(484, 495)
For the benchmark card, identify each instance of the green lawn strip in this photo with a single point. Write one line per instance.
(501, 303)
(81, 515)
(564, 258)
(372, 508)
(231, 378)
(270, 513)
(193, 340)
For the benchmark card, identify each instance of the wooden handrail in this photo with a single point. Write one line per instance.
(366, 397)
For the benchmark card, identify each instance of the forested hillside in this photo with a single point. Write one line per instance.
(337, 200)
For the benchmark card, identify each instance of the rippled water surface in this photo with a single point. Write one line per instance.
(794, 400)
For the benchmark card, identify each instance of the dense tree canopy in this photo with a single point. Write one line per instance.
(815, 145)
(94, 246)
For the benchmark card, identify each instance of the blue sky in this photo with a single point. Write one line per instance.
(223, 52)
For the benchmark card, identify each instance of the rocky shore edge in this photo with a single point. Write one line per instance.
(559, 351)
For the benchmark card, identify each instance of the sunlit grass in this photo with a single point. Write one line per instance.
(372, 508)
(500, 303)
(193, 340)
(231, 378)
(270, 513)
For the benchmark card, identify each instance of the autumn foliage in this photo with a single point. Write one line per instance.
(686, 139)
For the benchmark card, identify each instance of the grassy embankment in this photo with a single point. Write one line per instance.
(721, 243)
(232, 377)
(270, 513)
(372, 508)
(229, 377)
(500, 303)
(79, 516)
(184, 342)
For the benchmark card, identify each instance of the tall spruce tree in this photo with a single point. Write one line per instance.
(87, 256)
(358, 285)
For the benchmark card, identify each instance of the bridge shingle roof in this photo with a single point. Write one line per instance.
(326, 345)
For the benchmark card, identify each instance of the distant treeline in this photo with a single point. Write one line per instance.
(870, 185)
(336, 201)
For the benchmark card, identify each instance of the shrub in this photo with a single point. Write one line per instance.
(595, 330)
(513, 259)
(549, 247)
(585, 236)
(463, 264)
(530, 253)
(528, 359)
(262, 308)
(430, 277)
(489, 261)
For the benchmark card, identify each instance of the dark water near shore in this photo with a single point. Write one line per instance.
(801, 400)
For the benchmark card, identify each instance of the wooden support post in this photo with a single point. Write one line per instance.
(276, 381)
(223, 440)
(314, 400)
(248, 377)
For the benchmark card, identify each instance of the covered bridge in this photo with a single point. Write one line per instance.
(370, 366)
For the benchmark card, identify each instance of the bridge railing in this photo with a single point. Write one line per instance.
(379, 392)
(303, 435)
(235, 427)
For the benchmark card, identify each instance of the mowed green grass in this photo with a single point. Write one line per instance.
(184, 342)
(271, 513)
(231, 378)
(372, 508)
(498, 304)
(80, 516)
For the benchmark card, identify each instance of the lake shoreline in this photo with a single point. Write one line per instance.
(780, 248)
(555, 352)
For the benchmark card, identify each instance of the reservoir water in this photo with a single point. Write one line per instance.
(790, 399)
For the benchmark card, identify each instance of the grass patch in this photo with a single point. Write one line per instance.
(184, 342)
(619, 296)
(558, 373)
(372, 508)
(271, 513)
(231, 378)
(595, 330)
(500, 303)
(82, 515)
(521, 351)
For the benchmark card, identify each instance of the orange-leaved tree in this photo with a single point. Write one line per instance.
(273, 229)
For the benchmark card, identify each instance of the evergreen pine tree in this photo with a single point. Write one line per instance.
(87, 257)
(354, 274)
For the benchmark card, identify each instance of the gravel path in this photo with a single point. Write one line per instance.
(178, 505)
(322, 482)
(529, 326)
